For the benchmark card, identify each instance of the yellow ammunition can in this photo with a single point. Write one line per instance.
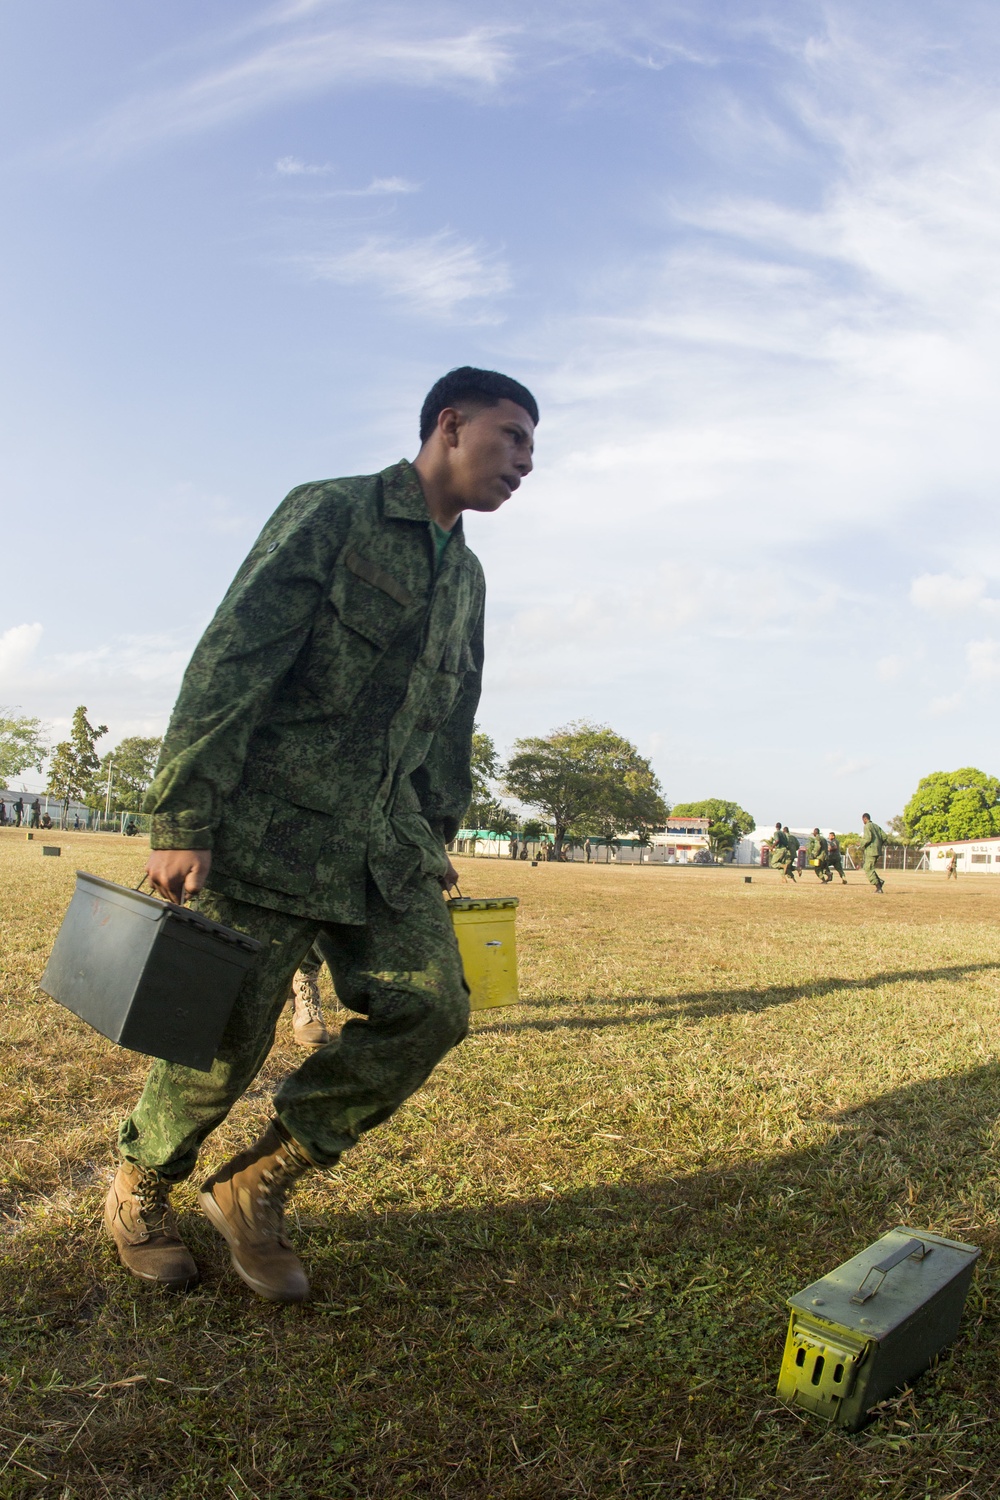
(484, 927)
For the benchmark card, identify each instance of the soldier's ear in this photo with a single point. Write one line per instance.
(448, 423)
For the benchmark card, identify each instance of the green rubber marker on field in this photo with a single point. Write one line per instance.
(871, 1326)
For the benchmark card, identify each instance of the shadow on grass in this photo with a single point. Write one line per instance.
(521, 1350)
(700, 1004)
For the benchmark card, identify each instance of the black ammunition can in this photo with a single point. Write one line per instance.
(150, 975)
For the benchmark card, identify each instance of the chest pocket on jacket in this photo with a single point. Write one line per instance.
(445, 684)
(364, 612)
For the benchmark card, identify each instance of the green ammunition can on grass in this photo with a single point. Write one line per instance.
(872, 1325)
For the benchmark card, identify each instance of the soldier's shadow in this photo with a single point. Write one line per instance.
(701, 1004)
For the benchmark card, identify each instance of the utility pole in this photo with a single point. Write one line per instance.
(107, 800)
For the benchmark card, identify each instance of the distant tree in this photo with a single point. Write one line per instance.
(721, 839)
(532, 829)
(585, 777)
(950, 805)
(900, 831)
(736, 818)
(485, 765)
(74, 767)
(21, 744)
(131, 765)
(486, 811)
(850, 843)
(496, 817)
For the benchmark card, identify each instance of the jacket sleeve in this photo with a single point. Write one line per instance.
(258, 631)
(444, 782)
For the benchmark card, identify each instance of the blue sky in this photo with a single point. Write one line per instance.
(746, 257)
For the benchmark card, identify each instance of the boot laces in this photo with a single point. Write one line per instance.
(152, 1196)
(276, 1182)
(307, 997)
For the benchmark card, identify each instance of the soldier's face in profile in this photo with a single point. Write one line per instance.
(492, 453)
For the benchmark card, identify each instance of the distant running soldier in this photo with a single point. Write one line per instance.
(834, 858)
(781, 854)
(819, 851)
(873, 841)
(952, 865)
(793, 851)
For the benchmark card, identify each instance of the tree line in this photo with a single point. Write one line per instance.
(589, 782)
(585, 779)
(950, 806)
(116, 780)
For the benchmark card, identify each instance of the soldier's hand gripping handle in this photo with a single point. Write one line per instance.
(177, 873)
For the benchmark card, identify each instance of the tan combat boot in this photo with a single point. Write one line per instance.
(138, 1217)
(245, 1200)
(308, 1026)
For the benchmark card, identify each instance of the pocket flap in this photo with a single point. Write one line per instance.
(377, 577)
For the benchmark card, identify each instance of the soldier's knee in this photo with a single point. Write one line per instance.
(451, 1013)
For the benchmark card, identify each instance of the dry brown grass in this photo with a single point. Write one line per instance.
(560, 1271)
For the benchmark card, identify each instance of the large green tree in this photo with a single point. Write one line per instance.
(728, 821)
(75, 768)
(486, 811)
(587, 779)
(131, 765)
(21, 744)
(951, 805)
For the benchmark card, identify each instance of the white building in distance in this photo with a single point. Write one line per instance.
(974, 856)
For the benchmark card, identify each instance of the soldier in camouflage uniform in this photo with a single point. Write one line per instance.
(781, 854)
(819, 851)
(793, 851)
(834, 858)
(873, 841)
(317, 762)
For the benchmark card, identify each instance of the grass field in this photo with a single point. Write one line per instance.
(561, 1270)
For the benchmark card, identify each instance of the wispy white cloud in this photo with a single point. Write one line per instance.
(380, 187)
(293, 166)
(17, 648)
(305, 58)
(947, 593)
(983, 660)
(440, 274)
(850, 766)
(129, 681)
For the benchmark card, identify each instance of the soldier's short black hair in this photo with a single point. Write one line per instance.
(471, 387)
(866, 815)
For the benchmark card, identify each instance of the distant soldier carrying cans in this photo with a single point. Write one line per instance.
(818, 855)
(834, 858)
(873, 841)
(793, 850)
(781, 854)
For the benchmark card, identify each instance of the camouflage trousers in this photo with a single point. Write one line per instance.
(401, 972)
(313, 961)
(870, 864)
(835, 862)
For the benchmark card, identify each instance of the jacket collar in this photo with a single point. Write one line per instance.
(403, 499)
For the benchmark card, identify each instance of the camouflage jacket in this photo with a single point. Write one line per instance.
(323, 729)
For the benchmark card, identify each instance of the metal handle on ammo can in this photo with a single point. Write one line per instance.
(917, 1248)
